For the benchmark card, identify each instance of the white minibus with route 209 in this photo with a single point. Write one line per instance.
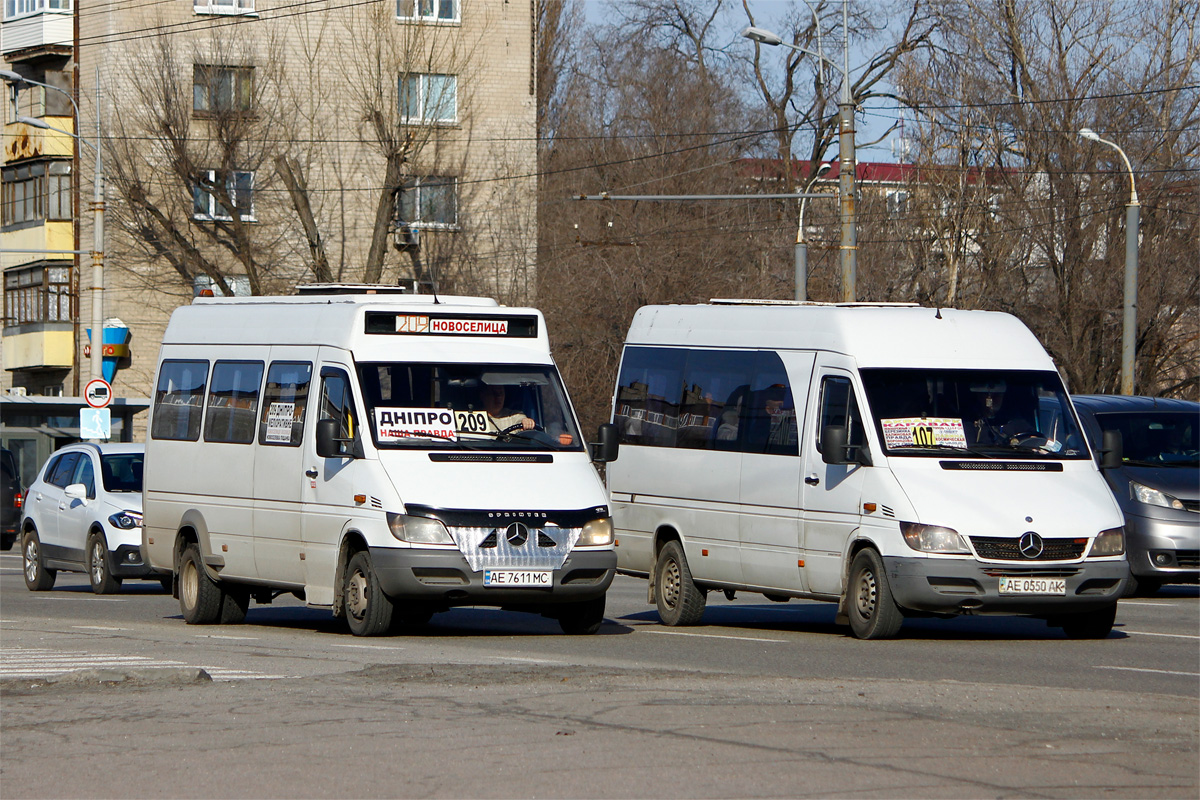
(898, 461)
(382, 455)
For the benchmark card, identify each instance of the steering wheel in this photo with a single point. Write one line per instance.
(1031, 439)
(520, 426)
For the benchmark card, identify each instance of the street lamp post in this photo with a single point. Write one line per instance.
(846, 155)
(1129, 317)
(96, 361)
(801, 243)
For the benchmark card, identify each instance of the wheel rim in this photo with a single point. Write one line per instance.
(189, 584)
(671, 583)
(97, 563)
(867, 594)
(356, 594)
(31, 560)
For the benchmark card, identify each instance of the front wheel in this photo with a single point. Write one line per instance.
(37, 577)
(368, 610)
(200, 598)
(582, 619)
(680, 601)
(1096, 624)
(873, 612)
(99, 567)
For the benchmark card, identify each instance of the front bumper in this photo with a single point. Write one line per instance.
(961, 586)
(1167, 550)
(445, 578)
(127, 562)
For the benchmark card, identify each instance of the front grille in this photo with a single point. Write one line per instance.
(489, 548)
(1010, 572)
(1188, 559)
(994, 548)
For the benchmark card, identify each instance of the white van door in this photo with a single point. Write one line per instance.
(831, 497)
(279, 464)
(770, 482)
(329, 487)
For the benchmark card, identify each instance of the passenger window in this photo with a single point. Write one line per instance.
(715, 385)
(284, 400)
(60, 473)
(839, 407)
(648, 395)
(178, 400)
(233, 402)
(337, 403)
(86, 474)
(770, 413)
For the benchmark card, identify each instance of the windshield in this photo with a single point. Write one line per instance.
(121, 472)
(988, 413)
(1156, 438)
(468, 406)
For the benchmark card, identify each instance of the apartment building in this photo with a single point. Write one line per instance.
(247, 146)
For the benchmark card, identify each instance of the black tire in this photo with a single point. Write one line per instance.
(1096, 624)
(582, 619)
(1142, 587)
(200, 598)
(680, 601)
(234, 603)
(368, 610)
(37, 577)
(872, 610)
(410, 616)
(167, 582)
(99, 566)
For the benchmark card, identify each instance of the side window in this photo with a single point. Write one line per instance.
(85, 473)
(839, 407)
(60, 473)
(337, 403)
(233, 402)
(649, 394)
(715, 386)
(770, 413)
(284, 400)
(178, 400)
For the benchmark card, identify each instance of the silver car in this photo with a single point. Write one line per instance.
(83, 513)
(1157, 483)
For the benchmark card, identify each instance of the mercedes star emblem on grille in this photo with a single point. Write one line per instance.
(1030, 544)
(518, 532)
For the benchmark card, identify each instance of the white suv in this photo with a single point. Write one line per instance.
(74, 521)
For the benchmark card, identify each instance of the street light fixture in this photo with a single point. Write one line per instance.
(97, 362)
(846, 155)
(1132, 222)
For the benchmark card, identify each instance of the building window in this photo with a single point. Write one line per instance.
(221, 90)
(430, 10)
(36, 192)
(204, 286)
(24, 8)
(38, 294)
(238, 185)
(428, 98)
(429, 202)
(897, 202)
(223, 6)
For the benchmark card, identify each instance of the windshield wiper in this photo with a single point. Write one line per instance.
(943, 448)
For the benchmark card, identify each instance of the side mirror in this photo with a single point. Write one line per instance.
(76, 491)
(608, 445)
(330, 445)
(1112, 449)
(833, 445)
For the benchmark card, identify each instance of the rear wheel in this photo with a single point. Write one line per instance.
(368, 610)
(680, 601)
(99, 566)
(234, 602)
(37, 577)
(582, 619)
(1096, 624)
(200, 598)
(873, 612)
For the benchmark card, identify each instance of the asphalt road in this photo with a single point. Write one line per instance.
(105, 697)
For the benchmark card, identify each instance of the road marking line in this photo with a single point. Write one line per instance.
(526, 660)
(88, 597)
(1137, 603)
(234, 638)
(1168, 635)
(716, 636)
(97, 628)
(20, 663)
(368, 647)
(1159, 671)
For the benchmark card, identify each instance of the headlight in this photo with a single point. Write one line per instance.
(126, 520)
(932, 538)
(418, 530)
(1153, 497)
(1109, 543)
(596, 532)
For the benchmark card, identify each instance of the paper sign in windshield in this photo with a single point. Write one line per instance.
(398, 424)
(923, 432)
(279, 423)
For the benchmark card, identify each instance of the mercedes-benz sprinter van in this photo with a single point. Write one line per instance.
(898, 461)
(385, 456)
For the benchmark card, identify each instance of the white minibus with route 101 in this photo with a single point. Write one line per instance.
(382, 455)
(898, 461)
